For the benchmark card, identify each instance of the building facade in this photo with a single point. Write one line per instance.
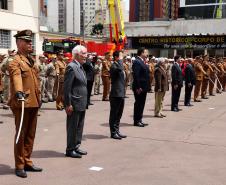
(148, 10)
(185, 37)
(63, 16)
(202, 9)
(88, 13)
(16, 16)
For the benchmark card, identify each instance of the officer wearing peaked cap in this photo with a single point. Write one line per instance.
(24, 84)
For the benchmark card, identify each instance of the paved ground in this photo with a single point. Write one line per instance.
(186, 148)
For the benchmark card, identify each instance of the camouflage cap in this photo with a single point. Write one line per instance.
(24, 34)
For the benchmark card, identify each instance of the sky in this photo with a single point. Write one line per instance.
(127, 4)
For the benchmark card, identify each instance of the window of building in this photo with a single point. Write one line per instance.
(4, 4)
(203, 12)
(5, 39)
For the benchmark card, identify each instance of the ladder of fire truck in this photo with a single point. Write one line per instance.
(116, 25)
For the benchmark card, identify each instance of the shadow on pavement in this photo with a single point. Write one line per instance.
(46, 108)
(121, 124)
(46, 154)
(148, 116)
(94, 136)
(162, 110)
(96, 100)
(6, 170)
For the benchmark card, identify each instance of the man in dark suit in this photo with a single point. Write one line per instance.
(90, 72)
(75, 100)
(117, 95)
(189, 82)
(177, 83)
(141, 85)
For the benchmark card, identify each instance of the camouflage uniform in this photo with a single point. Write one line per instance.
(6, 79)
(42, 77)
(97, 70)
(51, 76)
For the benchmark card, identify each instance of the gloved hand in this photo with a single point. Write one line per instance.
(20, 95)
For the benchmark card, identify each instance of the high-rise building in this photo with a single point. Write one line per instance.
(88, 13)
(63, 16)
(147, 10)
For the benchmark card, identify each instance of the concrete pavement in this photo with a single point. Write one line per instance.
(185, 148)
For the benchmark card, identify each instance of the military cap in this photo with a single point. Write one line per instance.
(25, 35)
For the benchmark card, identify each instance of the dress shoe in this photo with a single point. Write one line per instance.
(205, 97)
(163, 115)
(188, 104)
(158, 116)
(6, 107)
(21, 173)
(145, 124)
(105, 99)
(197, 100)
(212, 95)
(73, 154)
(81, 152)
(45, 101)
(179, 109)
(60, 108)
(175, 110)
(32, 168)
(138, 124)
(1, 122)
(90, 103)
(115, 136)
(121, 135)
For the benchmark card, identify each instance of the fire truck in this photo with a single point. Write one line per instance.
(116, 30)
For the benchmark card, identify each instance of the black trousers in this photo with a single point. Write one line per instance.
(89, 90)
(175, 97)
(139, 104)
(75, 124)
(188, 90)
(116, 110)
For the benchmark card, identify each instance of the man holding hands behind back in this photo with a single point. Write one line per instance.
(75, 101)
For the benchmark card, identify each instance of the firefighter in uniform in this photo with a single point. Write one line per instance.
(208, 69)
(105, 75)
(60, 67)
(24, 84)
(212, 76)
(5, 71)
(220, 75)
(51, 76)
(224, 81)
(199, 73)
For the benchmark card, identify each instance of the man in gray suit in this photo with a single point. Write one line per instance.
(75, 100)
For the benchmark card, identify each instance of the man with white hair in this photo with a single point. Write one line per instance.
(75, 101)
(161, 86)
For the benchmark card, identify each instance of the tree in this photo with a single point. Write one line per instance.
(97, 29)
